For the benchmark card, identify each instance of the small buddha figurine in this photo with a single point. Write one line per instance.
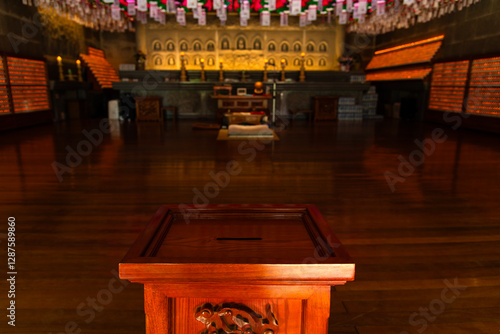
(258, 88)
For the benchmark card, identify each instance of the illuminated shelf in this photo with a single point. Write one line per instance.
(4, 92)
(100, 68)
(484, 90)
(27, 85)
(448, 86)
(394, 75)
(408, 54)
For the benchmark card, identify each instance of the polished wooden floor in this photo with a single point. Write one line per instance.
(427, 254)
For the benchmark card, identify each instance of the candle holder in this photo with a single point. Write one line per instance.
(183, 69)
(302, 75)
(264, 79)
(79, 69)
(202, 63)
(59, 64)
(221, 72)
(283, 69)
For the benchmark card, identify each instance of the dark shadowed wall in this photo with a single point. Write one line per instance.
(472, 32)
(28, 32)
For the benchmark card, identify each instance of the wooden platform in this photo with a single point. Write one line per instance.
(440, 227)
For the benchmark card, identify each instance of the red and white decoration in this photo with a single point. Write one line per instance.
(368, 16)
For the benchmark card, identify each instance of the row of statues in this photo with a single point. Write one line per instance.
(240, 45)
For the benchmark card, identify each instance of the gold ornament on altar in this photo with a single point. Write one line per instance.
(202, 64)
(302, 75)
(183, 68)
(266, 62)
(221, 71)
(258, 88)
(283, 65)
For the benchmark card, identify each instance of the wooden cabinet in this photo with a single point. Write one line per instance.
(260, 269)
(325, 108)
(148, 108)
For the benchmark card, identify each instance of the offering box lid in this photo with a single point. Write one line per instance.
(258, 243)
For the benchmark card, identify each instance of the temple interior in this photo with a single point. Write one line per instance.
(384, 115)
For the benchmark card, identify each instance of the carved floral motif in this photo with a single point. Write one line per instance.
(233, 318)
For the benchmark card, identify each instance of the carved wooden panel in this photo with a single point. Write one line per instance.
(148, 109)
(287, 312)
(234, 318)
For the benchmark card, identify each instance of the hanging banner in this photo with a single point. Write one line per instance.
(115, 12)
(329, 15)
(181, 16)
(223, 13)
(142, 5)
(295, 8)
(303, 20)
(283, 19)
(196, 13)
(153, 10)
(312, 13)
(361, 18)
(192, 4)
(245, 10)
(272, 4)
(355, 14)
(349, 5)
(171, 8)
(320, 6)
(362, 7)
(202, 19)
(144, 17)
(131, 7)
(158, 14)
(380, 7)
(265, 18)
(343, 17)
(339, 6)
(243, 21)
(161, 16)
(217, 4)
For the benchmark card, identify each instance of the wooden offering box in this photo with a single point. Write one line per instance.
(259, 269)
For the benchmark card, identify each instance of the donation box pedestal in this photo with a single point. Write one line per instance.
(262, 269)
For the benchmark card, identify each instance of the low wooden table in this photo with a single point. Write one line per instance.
(242, 117)
(260, 269)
